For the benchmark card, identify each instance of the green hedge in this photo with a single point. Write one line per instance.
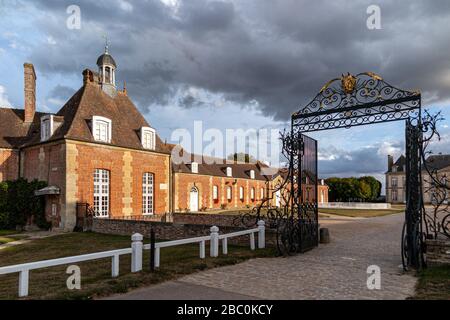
(18, 203)
(353, 189)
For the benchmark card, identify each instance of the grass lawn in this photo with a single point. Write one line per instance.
(434, 284)
(8, 232)
(7, 239)
(360, 213)
(50, 283)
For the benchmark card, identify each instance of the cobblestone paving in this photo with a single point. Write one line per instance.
(333, 271)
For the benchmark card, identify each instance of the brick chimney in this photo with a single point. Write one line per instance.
(390, 162)
(30, 91)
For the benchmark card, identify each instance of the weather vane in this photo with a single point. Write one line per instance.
(106, 43)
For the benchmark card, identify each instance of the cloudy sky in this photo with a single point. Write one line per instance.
(235, 64)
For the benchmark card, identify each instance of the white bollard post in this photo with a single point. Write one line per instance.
(225, 246)
(115, 266)
(23, 283)
(136, 252)
(261, 234)
(214, 250)
(252, 241)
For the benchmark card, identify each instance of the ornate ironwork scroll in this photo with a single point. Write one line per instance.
(436, 183)
(356, 100)
(280, 216)
(412, 239)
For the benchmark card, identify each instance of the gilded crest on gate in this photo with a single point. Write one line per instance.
(348, 83)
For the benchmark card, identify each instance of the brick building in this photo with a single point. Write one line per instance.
(218, 184)
(99, 149)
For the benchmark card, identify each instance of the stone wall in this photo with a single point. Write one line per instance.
(171, 231)
(219, 220)
(437, 252)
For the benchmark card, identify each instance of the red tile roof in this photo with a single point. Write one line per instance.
(76, 116)
(13, 130)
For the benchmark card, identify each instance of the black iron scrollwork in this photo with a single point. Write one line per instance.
(436, 183)
(356, 100)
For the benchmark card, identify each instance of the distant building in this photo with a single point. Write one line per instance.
(396, 178)
(440, 168)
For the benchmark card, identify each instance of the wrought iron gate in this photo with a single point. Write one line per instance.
(306, 199)
(412, 235)
(346, 102)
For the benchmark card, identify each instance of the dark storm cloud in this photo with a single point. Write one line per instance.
(278, 53)
(61, 92)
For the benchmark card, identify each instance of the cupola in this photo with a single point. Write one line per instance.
(107, 72)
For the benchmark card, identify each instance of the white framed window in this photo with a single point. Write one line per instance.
(148, 138)
(101, 193)
(252, 174)
(252, 194)
(47, 127)
(229, 172)
(262, 193)
(194, 167)
(147, 193)
(215, 192)
(229, 193)
(241, 193)
(101, 129)
(394, 195)
(394, 182)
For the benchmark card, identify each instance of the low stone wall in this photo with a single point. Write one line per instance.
(355, 205)
(437, 252)
(170, 231)
(211, 219)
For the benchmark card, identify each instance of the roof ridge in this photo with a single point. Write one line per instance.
(82, 92)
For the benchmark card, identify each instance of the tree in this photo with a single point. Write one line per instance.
(353, 189)
(375, 186)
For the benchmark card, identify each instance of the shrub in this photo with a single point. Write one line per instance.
(18, 203)
(4, 219)
(4, 216)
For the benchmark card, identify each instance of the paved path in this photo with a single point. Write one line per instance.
(28, 236)
(334, 271)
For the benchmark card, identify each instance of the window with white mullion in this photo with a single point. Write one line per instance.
(101, 129)
(101, 192)
(148, 138)
(147, 193)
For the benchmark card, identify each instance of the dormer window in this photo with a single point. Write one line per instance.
(194, 167)
(101, 129)
(148, 138)
(252, 174)
(46, 127)
(229, 172)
